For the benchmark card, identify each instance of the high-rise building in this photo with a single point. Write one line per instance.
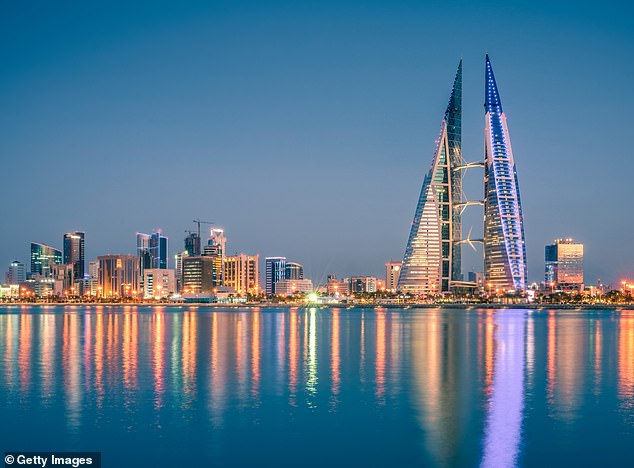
(118, 276)
(275, 271)
(16, 273)
(93, 278)
(178, 267)
(158, 250)
(192, 244)
(197, 275)
(432, 255)
(504, 244)
(43, 257)
(152, 250)
(294, 271)
(241, 273)
(64, 276)
(392, 273)
(564, 265)
(215, 248)
(158, 283)
(363, 284)
(337, 288)
(74, 253)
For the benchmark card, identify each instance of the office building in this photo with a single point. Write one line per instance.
(215, 248)
(275, 271)
(564, 265)
(16, 273)
(118, 276)
(286, 287)
(43, 257)
(159, 283)
(152, 250)
(178, 267)
(363, 284)
(432, 255)
(392, 274)
(198, 275)
(294, 271)
(64, 277)
(504, 244)
(241, 273)
(74, 253)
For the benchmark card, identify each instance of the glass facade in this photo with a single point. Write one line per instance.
(43, 257)
(275, 271)
(432, 255)
(504, 244)
(74, 253)
(564, 265)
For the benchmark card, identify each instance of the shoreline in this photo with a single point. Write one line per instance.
(539, 306)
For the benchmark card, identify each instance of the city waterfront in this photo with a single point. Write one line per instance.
(319, 386)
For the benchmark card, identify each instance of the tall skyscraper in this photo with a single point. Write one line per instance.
(432, 255)
(16, 273)
(294, 271)
(152, 250)
(43, 257)
(275, 271)
(74, 253)
(158, 250)
(564, 265)
(504, 245)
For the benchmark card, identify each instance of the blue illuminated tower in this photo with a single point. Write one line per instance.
(432, 255)
(504, 244)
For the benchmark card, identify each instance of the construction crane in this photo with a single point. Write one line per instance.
(198, 223)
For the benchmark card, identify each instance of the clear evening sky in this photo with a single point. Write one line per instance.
(305, 128)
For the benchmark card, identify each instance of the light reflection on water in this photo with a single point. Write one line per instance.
(385, 386)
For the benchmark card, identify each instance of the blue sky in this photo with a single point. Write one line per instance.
(305, 128)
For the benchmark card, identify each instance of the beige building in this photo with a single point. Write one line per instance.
(392, 273)
(289, 287)
(158, 283)
(118, 276)
(241, 273)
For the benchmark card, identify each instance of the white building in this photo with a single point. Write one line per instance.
(158, 283)
(289, 287)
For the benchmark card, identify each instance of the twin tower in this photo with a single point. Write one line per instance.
(432, 260)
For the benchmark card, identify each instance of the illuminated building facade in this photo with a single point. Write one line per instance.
(43, 257)
(294, 271)
(241, 273)
(392, 273)
(158, 283)
(286, 287)
(564, 265)
(197, 275)
(16, 273)
(432, 255)
(363, 284)
(215, 249)
(504, 244)
(74, 253)
(275, 271)
(118, 276)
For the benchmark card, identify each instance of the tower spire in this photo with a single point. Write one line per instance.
(432, 258)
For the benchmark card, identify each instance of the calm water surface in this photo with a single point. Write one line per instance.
(210, 387)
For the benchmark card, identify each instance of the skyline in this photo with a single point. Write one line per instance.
(341, 117)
